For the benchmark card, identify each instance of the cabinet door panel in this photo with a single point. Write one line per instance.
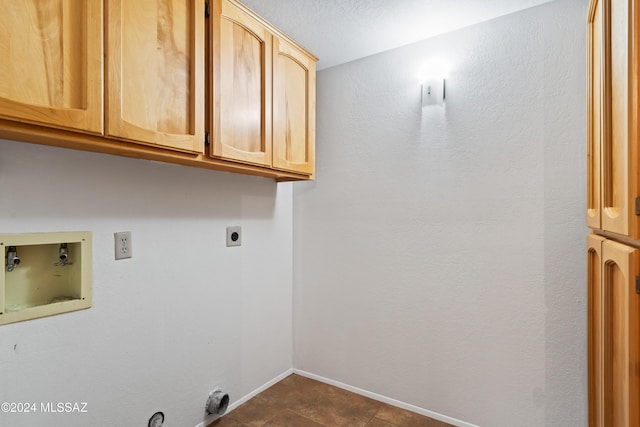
(51, 67)
(293, 109)
(242, 86)
(595, 331)
(155, 68)
(620, 336)
(615, 154)
(594, 113)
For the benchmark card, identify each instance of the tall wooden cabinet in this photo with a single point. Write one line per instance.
(613, 208)
(146, 78)
(51, 63)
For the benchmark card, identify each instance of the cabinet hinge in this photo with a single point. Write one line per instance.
(638, 284)
(206, 138)
(206, 9)
(638, 206)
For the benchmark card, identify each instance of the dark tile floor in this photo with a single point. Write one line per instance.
(301, 402)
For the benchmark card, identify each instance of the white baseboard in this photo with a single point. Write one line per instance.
(385, 399)
(211, 418)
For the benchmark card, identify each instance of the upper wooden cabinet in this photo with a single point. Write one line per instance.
(263, 93)
(145, 78)
(613, 91)
(241, 89)
(155, 85)
(51, 66)
(294, 108)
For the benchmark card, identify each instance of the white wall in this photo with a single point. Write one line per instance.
(438, 257)
(184, 315)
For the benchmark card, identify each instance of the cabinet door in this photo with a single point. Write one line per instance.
(595, 324)
(155, 72)
(618, 189)
(294, 104)
(241, 49)
(594, 112)
(620, 328)
(51, 66)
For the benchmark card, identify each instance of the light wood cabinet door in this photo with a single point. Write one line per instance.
(294, 105)
(51, 66)
(616, 197)
(155, 68)
(612, 132)
(594, 111)
(613, 179)
(620, 344)
(241, 91)
(595, 324)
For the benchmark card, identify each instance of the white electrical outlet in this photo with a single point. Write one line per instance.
(234, 236)
(123, 244)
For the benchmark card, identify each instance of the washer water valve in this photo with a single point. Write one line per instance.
(63, 256)
(12, 258)
(218, 402)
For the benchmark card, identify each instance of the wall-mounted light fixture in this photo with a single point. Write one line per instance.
(433, 91)
(432, 77)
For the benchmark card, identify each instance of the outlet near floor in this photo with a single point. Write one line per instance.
(123, 245)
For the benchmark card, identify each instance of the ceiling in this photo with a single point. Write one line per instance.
(339, 31)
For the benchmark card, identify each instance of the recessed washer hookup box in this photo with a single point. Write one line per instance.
(44, 274)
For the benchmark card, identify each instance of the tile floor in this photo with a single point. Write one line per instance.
(297, 401)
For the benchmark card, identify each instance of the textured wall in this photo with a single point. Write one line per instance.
(564, 214)
(184, 315)
(438, 257)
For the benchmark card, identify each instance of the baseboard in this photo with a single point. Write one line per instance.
(385, 399)
(211, 418)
